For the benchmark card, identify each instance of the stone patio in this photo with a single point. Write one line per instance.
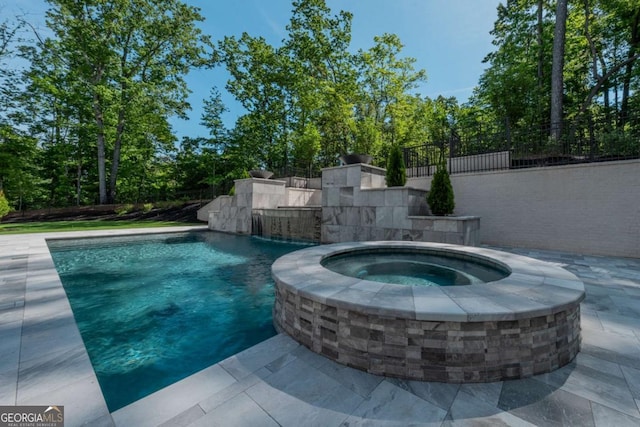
(278, 382)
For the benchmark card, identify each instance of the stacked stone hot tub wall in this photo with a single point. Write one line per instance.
(431, 350)
(523, 325)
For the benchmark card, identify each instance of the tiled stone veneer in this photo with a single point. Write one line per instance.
(234, 214)
(288, 223)
(525, 324)
(357, 206)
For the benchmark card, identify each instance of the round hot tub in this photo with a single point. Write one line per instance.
(415, 267)
(429, 311)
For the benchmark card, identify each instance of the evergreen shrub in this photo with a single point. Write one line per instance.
(440, 197)
(5, 208)
(396, 170)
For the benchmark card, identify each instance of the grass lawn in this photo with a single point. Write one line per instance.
(50, 226)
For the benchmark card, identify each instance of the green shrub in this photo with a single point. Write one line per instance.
(147, 207)
(396, 170)
(232, 192)
(5, 208)
(124, 209)
(440, 198)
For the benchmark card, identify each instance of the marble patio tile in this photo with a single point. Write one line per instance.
(607, 417)
(392, 406)
(543, 404)
(215, 400)
(606, 367)
(612, 341)
(625, 325)
(633, 380)
(627, 304)
(60, 334)
(170, 401)
(440, 394)
(240, 411)
(310, 358)
(10, 335)
(8, 386)
(52, 371)
(256, 357)
(82, 400)
(355, 380)
(468, 410)
(300, 396)
(590, 320)
(185, 418)
(593, 384)
(487, 392)
(609, 355)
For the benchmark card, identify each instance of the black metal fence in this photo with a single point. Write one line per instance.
(474, 149)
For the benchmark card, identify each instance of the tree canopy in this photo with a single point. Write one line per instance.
(84, 113)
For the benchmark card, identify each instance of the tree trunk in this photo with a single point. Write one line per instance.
(540, 46)
(115, 164)
(628, 73)
(557, 68)
(102, 173)
(78, 183)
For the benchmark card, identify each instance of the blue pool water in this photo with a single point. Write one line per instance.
(155, 309)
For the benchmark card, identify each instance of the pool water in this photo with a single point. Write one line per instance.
(413, 268)
(155, 309)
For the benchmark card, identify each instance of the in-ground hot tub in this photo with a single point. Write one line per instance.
(525, 322)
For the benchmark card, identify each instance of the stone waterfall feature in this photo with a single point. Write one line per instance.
(297, 223)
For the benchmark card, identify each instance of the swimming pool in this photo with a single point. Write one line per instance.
(155, 309)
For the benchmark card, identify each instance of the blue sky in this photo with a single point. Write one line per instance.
(448, 38)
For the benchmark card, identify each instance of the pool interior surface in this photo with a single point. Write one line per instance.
(413, 268)
(155, 309)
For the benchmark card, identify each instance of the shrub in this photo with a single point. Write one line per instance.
(396, 170)
(4, 205)
(440, 198)
(232, 192)
(147, 207)
(124, 209)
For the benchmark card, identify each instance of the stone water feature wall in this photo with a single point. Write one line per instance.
(234, 213)
(357, 206)
(298, 223)
(353, 205)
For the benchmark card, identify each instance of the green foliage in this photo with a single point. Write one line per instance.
(306, 145)
(232, 191)
(147, 207)
(124, 209)
(396, 171)
(440, 197)
(128, 59)
(5, 208)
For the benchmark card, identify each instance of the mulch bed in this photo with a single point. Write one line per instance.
(186, 212)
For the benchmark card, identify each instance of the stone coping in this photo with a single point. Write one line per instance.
(444, 217)
(534, 288)
(375, 170)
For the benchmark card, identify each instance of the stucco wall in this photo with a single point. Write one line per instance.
(589, 208)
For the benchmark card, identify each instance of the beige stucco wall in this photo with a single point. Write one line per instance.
(589, 208)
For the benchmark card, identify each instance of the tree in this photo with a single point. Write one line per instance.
(131, 56)
(386, 83)
(440, 197)
(557, 69)
(4, 205)
(396, 172)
